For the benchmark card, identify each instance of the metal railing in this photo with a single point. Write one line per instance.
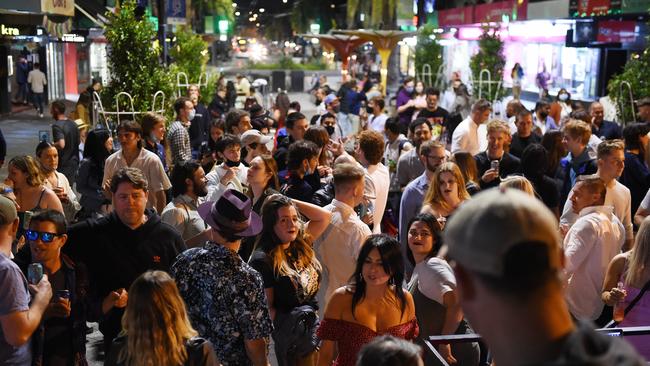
(465, 338)
(100, 111)
(620, 101)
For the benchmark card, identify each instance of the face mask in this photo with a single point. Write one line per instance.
(419, 89)
(369, 109)
(564, 97)
(231, 163)
(192, 114)
(409, 89)
(154, 138)
(543, 115)
(330, 130)
(336, 109)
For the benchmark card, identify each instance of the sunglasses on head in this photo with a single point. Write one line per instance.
(33, 235)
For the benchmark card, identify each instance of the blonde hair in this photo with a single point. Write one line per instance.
(30, 167)
(155, 322)
(434, 196)
(496, 125)
(518, 182)
(639, 257)
(578, 129)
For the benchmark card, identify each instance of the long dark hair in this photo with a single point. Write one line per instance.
(392, 261)
(434, 226)
(95, 147)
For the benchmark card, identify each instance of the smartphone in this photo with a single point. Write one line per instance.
(494, 164)
(34, 273)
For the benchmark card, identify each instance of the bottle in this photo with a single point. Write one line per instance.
(619, 307)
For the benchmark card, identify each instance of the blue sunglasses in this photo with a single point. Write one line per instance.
(33, 235)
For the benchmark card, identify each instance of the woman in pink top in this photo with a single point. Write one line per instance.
(373, 304)
(626, 276)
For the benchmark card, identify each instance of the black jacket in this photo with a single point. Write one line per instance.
(282, 151)
(508, 165)
(116, 255)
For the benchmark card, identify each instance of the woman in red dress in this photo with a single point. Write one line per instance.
(373, 304)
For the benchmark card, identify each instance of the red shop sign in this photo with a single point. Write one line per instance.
(456, 16)
(610, 31)
(516, 10)
(590, 7)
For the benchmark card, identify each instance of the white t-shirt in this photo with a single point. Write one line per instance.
(469, 137)
(589, 246)
(381, 181)
(377, 123)
(216, 189)
(150, 165)
(617, 196)
(37, 79)
(434, 278)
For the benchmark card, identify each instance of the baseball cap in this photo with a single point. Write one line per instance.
(254, 136)
(643, 101)
(7, 211)
(329, 98)
(484, 229)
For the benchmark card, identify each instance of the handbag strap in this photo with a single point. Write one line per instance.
(638, 297)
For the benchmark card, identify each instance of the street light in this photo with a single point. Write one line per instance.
(237, 13)
(234, 5)
(261, 10)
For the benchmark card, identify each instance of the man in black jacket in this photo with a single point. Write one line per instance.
(118, 248)
(507, 164)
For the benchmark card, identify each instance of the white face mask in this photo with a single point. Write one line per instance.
(192, 114)
(563, 97)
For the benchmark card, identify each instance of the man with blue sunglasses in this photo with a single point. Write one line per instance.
(20, 312)
(61, 336)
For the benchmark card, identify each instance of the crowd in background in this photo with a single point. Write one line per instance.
(202, 239)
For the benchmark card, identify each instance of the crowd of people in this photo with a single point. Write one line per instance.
(345, 238)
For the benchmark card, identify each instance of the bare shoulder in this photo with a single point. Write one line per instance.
(340, 300)
(409, 311)
(619, 261)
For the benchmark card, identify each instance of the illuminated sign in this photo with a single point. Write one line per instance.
(73, 38)
(8, 31)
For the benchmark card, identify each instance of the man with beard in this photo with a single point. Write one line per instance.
(188, 186)
(409, 165)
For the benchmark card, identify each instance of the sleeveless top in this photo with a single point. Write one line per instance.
(350, 336)
(638, 316)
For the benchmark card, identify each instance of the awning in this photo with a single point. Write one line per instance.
(93, 11)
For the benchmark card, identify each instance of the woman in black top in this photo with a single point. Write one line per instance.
(533, 161)
(291, 273)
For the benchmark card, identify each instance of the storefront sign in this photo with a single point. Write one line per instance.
(176, 11)
(15, 30)
(59, 7)
(495, 12)
(456, 16)
(73, 38)
(611, 31)
(590, 8)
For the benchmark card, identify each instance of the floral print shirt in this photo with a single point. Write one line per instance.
(225, 299)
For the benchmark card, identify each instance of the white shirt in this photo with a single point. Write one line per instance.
(37, 79)
(181, 213)
(589, 246)
(377, 123)
(71, 207)
(216, 189)
(469, 137)
(338, 248)
(150, 165)
(380, 177)
(645, 204)
(618, 196)
(434, 278)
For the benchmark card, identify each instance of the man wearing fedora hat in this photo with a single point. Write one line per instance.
(225, 296)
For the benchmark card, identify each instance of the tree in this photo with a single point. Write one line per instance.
(428, 51)
(190, 53)
(636, 73)
(489, 57)
(133, 60)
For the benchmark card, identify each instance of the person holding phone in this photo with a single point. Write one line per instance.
(19, 317)
(61, 335)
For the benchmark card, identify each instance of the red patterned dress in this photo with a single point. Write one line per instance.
(350, 337)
